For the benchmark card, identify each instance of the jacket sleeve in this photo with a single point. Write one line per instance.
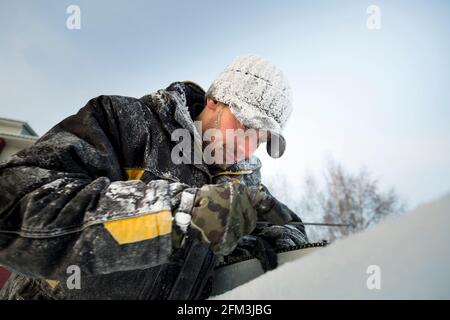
(65, 201)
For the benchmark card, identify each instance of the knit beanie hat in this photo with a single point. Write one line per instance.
(259, 96)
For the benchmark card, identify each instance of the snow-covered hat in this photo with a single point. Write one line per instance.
(259, 96)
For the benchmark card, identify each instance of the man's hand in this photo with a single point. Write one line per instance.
(266, 241)
(223, 213)
(269, 208)
(283, 237)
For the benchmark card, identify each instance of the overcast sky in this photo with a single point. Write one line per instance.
(378, 98)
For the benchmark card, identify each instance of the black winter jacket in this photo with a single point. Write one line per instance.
(86, 193)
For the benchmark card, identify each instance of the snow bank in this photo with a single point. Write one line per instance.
(411, 253)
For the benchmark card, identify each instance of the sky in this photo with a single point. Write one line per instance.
(377, 98)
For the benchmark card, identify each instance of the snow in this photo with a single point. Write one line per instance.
(411, 253)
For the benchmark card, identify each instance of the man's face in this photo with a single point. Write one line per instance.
(236, 141)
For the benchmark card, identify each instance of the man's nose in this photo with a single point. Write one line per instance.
(246, 148)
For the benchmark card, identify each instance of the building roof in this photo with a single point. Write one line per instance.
(27, 128)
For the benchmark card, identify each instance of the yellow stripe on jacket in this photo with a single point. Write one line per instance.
(144, 227)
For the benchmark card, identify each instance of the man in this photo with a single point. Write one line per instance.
(103, 193)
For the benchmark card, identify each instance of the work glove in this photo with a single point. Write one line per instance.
(269, 208)
(267, 239)
(252, 246)
(273, 239)
(283, 237)
(221, 215)
(264, 243)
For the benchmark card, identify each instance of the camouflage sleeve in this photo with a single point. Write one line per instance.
(64, 202)
(220, 216)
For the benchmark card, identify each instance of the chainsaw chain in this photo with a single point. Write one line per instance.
(322, 243)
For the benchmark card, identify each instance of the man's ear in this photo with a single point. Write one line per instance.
(212, 104)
